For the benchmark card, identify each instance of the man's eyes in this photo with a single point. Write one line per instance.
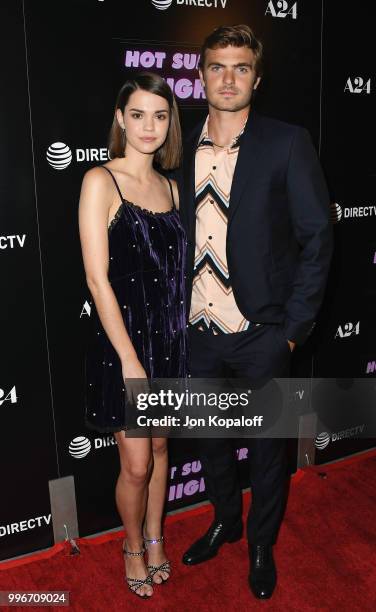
(242, 69)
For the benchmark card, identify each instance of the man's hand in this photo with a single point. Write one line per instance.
(291, 345)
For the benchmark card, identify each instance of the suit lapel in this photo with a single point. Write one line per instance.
(247, 161)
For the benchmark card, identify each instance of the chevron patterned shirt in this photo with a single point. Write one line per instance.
(213, 304)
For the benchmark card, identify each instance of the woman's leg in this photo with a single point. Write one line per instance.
(136, 464)
(155, 506)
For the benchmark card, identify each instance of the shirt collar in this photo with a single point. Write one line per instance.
(205, 139)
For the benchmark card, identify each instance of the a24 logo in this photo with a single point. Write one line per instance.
(282, 9)
(358, 85)
(347, 330)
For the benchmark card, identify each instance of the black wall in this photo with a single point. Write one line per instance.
(62, 64)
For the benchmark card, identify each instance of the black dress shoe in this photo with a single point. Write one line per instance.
(263, 576)
(207, 547)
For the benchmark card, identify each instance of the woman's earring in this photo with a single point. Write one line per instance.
(123, 137)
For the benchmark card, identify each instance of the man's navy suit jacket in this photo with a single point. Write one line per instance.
(279, 236)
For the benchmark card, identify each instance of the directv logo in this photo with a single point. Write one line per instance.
(337, 212)
(322, 440)
(79, 447)
(59, 155)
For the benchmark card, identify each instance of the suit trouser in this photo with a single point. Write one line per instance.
(258, 354)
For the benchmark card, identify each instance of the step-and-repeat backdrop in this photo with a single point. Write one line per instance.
(62, 64)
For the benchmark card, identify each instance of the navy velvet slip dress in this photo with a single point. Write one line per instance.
(147, 253)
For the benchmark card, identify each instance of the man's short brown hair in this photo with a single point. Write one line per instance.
(235, 36)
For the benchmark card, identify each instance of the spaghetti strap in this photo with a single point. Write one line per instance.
(172, 193)
(115, 181)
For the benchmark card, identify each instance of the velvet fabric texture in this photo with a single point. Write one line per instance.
(146, 270)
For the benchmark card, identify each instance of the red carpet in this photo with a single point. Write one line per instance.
(325, 556)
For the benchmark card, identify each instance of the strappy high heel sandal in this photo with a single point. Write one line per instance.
(163, 567)
(136, 583)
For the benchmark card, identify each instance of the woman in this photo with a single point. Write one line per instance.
(133, 247)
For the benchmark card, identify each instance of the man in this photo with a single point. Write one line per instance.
(256, 210)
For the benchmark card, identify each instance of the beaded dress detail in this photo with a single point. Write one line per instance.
(147, 253)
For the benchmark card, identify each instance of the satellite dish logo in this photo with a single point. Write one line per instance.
(322, 440)
(335, 212)
(79, 447)
(161, 5)
(59, 155)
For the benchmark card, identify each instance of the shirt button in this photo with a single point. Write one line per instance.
(210, 237)
(211, 201)
(214, 167)
(210, 271)
(210, 303)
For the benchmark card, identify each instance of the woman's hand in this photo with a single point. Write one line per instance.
(132, 368)
(135, 379)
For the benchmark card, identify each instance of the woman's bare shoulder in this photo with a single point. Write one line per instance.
(96, 176)
(97, 190)
(97, 184)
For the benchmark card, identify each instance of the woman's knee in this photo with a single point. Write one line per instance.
(135, 459)
(136, 471)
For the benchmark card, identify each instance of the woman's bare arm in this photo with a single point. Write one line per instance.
(95, 201)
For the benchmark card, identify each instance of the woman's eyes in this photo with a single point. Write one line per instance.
(139, 115)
